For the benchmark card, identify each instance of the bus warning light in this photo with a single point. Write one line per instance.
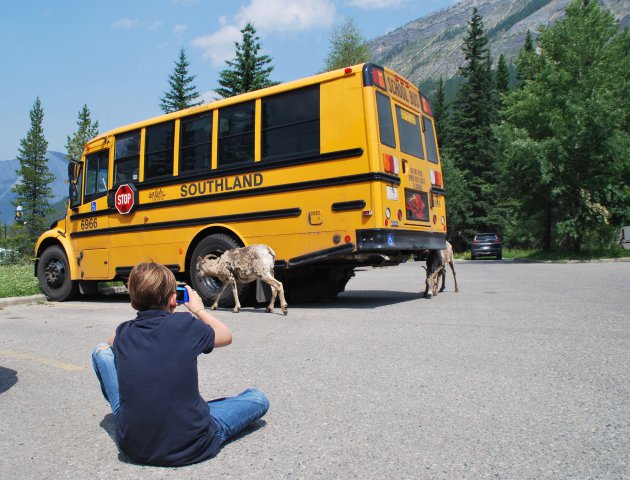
(378, 77)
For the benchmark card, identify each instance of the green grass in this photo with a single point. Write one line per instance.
(18, 280)
(560, 256)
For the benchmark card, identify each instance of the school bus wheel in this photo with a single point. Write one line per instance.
(53, 273)
(208, 287)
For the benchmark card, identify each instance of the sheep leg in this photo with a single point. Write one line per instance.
(436, 281)
(276, 290)
(454, 276)
(237, 304)
(443, 274)
(216, 300)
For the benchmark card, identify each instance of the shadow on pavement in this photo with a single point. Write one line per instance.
(8, 378)
(109, 425)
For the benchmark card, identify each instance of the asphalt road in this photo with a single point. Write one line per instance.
(524, 374)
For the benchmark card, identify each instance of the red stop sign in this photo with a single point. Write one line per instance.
(126, 198)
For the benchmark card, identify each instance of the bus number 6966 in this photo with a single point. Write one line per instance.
(89, 223)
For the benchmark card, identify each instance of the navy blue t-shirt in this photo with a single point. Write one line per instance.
(162, 419)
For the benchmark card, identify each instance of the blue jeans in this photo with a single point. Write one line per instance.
(232, 415)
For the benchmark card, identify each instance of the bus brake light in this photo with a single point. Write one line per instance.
(390, 164)
(436, 178)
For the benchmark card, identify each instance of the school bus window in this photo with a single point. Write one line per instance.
(429, 138)
(127, 157)
(236, 134)
(290, 124)
(409, 132)
(195, 140)
(96, 169)
(385, 121)
(159, 147)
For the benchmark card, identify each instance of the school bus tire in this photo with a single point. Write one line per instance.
(53, 273)
(215, 244)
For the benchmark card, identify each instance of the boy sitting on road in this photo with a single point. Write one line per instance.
(148, 374)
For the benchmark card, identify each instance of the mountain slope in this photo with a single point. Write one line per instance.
(430, 47)
(57, 164)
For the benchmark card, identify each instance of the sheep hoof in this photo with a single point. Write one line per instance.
(269, 310)
(236, 310)
(285, 311)
(213, 307)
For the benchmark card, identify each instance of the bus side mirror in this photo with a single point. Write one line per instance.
(74, 178)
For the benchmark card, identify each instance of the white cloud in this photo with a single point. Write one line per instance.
(209, 96)
(268, 16)
(376, 4)
(152, 25)
(287, 15)
(219, 46)
(124, 24)
(180, 28)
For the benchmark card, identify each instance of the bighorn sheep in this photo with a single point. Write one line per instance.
(436, 267)
(244, 265)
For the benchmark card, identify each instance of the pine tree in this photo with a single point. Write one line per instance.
(566, 133)
(528, 46)
(525, 62)
(440, 111)
(248, 71)
(33, 192)
(472, 142)
(503, 76)
(181, 94)
(86, 130)
(347, 47)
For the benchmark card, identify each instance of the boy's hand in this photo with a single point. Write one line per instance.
(194, 303)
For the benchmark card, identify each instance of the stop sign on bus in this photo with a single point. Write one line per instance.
(126, 198)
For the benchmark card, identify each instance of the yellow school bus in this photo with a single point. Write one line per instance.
(335, 171)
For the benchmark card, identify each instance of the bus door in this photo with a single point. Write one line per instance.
(91, 246)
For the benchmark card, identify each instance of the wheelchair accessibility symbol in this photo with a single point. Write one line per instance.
(390, 240)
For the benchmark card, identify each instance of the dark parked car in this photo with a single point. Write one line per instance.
(486, 244)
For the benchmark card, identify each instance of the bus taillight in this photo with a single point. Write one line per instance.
(436, 178)
(390, 164)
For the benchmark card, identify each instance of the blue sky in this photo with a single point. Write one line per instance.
(116, 56)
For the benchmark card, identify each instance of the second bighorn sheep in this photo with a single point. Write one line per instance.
(436, 267)
(243, 265)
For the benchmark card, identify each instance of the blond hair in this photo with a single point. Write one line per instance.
(151, 286)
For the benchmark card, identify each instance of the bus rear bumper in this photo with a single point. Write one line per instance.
(388, 240)
(376, 247)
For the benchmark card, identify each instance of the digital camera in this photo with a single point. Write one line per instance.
(182, 294)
